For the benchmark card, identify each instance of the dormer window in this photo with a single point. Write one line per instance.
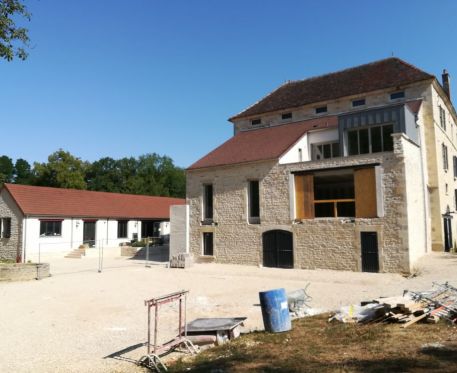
(359, 102)
(256, 122)
(321, 109)
(286, 116)
(397, 95)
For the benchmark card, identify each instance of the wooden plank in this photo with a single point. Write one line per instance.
(308, 196)
(365, 193)
(299, 197)
(415, 320)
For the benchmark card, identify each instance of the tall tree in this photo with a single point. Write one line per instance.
(22, 172)
(13, 39)
(6, 170)
(62, 170)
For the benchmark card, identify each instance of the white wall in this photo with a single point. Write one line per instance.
(72, 236)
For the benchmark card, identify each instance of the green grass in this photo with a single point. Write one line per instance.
(314, 345)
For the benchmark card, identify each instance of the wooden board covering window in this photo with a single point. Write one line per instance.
(365, 193)
(304, 196)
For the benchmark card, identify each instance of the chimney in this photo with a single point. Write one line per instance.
(446, 83)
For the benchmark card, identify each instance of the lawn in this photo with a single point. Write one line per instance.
(314, 345)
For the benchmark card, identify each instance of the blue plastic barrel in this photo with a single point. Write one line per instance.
(275, 310)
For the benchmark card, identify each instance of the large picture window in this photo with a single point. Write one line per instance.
(122, 228)
(50, 228)
(370, 140)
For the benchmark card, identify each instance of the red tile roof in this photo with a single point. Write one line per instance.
(45, 201)
(387, 73)
(262, 144)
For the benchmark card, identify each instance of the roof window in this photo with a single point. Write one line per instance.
(286, 116)
(396, 95)
(256, 122)
(359, 102)
(321, 109)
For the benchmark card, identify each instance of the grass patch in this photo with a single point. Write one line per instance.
(314, 345)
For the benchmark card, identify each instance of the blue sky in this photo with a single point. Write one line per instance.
(123, 78)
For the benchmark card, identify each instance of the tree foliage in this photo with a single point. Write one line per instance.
(13, 39)
(149, 174)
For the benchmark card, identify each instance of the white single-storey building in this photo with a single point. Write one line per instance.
(55, 221)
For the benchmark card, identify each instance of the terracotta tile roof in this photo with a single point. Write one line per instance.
(387, 73)
(45, 201)
(261, 144)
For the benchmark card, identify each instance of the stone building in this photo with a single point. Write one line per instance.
(353, 170)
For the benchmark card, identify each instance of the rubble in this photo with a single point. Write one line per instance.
(429, 306)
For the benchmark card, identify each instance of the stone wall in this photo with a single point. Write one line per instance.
(318, 243)
(23, 271)
(11, 248)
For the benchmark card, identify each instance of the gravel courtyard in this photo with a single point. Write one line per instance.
(78, 320)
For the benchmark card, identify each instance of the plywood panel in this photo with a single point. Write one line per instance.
(299, 197)
(365, 193)
(308, 196)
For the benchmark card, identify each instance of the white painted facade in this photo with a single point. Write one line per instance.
(71, 237)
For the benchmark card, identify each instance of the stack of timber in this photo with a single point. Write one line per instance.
(429, 306)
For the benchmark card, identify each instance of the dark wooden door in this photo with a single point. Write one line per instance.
(208, 243)
(447, 233)
(89, 233)
(370, 257)
(278, 249)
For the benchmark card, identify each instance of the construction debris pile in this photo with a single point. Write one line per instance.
(430, 306)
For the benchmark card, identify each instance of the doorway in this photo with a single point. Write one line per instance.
(278, 249)
(447, 233)
(89, 233)
(369, 246)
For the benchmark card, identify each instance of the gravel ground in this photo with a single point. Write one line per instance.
(75, 320)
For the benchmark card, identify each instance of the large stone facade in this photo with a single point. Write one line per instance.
(11, 248)
(317, 243)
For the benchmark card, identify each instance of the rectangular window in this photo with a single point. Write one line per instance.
(254, 202)
(286, 116)
(208, 203)
(255, 122)
(122, 228)
(321, 109)
(325, 151)
(370, 140)
(359, 102)
(455, 199)
(442, 118)
(445, 158)
(397, 95)
(455, 166)
(50, 228)
(334, 195)
(208, 248)
(5, 227)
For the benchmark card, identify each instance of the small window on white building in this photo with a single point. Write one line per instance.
(446, 187)
(256, 122)
(454, 158)
(50, 228)
(122, 228)
(286, 116)
(321, 109)
(325, 151)
(359, 102)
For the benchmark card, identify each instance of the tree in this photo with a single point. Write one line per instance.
(22, 172)
(63, 170)
(104, 175)
(12, 36)
(6, 170)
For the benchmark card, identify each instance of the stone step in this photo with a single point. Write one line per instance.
(206, 259)
(76, 254)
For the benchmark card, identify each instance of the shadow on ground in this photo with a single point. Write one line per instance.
(158, 253)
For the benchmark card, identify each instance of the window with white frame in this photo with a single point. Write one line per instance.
(325, 150)
(370, 140)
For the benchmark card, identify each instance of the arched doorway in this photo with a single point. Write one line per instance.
(278, 249)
